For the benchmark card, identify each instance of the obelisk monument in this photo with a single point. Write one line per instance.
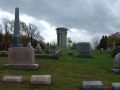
(20, 57)
(16, 38)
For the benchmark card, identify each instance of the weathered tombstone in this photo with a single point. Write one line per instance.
(108, 49)
(57, 54)
(41, 79)
(29, 44)
(116, 64)
(4, 53)
(38, 47)
(116, 86)
(101, 50)
(83, 50)
(114, 45)
(115, 51)
(92, 85)
(12, 79)
(47, 49)
(20, 57)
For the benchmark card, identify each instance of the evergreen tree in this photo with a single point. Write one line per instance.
(103, 42)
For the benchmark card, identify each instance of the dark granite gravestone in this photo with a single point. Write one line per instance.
(115, 51)
(116, 86)
(92, 85)
(16, 38)
(117, 63)
(83, 50)
(70, 53)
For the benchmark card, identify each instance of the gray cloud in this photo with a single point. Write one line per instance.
(91, 15)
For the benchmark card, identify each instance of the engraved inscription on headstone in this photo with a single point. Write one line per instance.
(21, 56)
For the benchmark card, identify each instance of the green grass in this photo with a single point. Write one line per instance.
(67, 73)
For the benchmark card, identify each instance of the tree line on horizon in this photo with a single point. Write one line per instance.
(28, 32)
(106, 41)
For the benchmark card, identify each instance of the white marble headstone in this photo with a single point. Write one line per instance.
(41, 79)
(12, 79)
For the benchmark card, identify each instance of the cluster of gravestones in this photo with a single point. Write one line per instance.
(97, 85)
(23, 58)
(46, 80)
(35, 79)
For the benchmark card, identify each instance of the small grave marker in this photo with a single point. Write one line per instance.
(92, 85)
(12, 79)
(116, 86)
(41, 79)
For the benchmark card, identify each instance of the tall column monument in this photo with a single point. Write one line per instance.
(20, 57)
(62, 37)
(16, 38)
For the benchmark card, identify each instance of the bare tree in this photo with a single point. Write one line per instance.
(69, 41)
(8, 31)
(23, 28)
(95, 41)
(32, 30)
(38, 37)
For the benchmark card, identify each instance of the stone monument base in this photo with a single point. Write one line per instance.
(80, 55)
(116, 70)
(29, 66)
(21, 58)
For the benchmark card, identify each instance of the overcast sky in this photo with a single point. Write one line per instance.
(85, 19)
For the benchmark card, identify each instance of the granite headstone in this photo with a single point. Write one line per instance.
(92, 85)
(117, 63)
(83, 50)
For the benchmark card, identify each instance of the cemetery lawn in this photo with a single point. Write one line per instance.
(67, 73)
